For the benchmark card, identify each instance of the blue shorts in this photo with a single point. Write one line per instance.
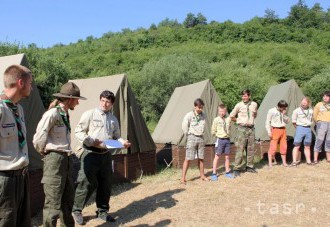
(222, 146)
(303, 133)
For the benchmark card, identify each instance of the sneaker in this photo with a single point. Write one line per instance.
(78, 218)
(106, 217)
(229, 175)
(251, 170)
(214, 177)
(236, 173)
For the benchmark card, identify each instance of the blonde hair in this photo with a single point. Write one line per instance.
(308, 100)
(57, 101)
(14, 73)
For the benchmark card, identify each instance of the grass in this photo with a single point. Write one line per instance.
(281, 196)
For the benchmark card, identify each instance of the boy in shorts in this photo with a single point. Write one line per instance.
(220, 129)
(193, 126)
(302, 119)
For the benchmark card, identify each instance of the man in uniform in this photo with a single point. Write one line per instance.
(14, 158)
(246, 112)
(94, 127)
(53, 141)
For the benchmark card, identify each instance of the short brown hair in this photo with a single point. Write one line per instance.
(14, 73)
(246, 92)
(198, 102)
(222, 106)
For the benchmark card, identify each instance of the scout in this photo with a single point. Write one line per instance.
(246, 112)
(276, 121)
(322, 118)
(220, 129)
(193, 126)
(52, 140)
(302, 119)
(95, 127)
(14, 159)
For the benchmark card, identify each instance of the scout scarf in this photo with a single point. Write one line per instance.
(14, 110)
(326, 106)
(248, 108)
(306, 115)
(198, 118)
(281, 115)
(65, 118)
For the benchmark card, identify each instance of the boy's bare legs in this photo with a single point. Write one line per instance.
(283, 156)
(184, 170)
(295, 154)
(316, 156)
(328, 156)
(307, 152)
(227, 163)
(215, 163)
(201, 169)
(270, 159)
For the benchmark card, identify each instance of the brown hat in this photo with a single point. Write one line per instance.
(69, 90)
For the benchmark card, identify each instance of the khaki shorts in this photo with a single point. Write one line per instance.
(195, 147)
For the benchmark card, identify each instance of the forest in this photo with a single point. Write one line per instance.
(256, 54)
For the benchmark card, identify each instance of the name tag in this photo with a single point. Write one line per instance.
(8, 125)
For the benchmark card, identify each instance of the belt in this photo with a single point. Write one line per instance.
(96, 149)
(195, 135)
(11, 173)
(58, 152)
(246, 126)
(223, 138)
(304, 126)
(279, 127)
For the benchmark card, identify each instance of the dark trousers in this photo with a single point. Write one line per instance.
(58, 188)
(14, 201)
(95, 173)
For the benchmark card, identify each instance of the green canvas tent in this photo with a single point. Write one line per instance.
(33, 107)
(168, 129)
(288, 91)
(132, 124)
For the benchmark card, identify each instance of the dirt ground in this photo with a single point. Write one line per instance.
(281, 196)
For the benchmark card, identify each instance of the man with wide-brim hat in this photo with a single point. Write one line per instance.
(53, 141)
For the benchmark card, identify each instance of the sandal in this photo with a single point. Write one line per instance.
(316, 162)
(183, 182)
(310, 163)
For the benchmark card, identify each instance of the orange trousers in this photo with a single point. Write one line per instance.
(278, 136)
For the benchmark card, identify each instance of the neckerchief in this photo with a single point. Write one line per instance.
(198, 117)
(14, 110)
(326, 106)
(224, 124)
(281, 115)
(248, 108)
(306, 115)
(65, 118)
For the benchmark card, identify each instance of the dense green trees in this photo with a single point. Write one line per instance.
(256, 54)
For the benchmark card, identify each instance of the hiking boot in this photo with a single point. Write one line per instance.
(106, 217)
(236, 173)
(229, 175)
(251, 170)
(78, 218)
(214, 177)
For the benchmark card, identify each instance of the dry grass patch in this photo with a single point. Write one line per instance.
(281, 196)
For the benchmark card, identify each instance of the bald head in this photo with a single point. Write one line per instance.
(14, 73)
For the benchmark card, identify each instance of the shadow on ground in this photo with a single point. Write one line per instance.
(138, 209)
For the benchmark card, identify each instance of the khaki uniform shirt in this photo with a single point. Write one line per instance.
(194, 124)
(302, 117)
(12, 157)
(52, 133)
(246, 113)
(96, 124)
(221, 127)
(322, 112)
(275, 119)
